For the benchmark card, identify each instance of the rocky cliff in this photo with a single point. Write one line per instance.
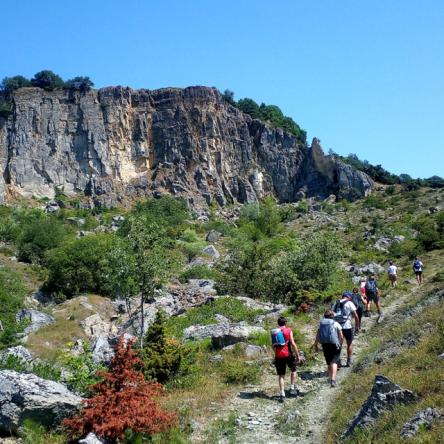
(116, 144)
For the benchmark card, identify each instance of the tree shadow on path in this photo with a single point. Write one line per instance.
(310, 375)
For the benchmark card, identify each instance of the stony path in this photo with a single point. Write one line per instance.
(261, 419)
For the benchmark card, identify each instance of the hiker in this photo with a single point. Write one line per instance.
(372, 294)
(360, 301)
(392, 271)
(364, 297)
(417, 268)
(330, 336)
(344, 310)
(286, 354)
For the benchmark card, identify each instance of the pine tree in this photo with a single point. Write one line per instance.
(123, 401)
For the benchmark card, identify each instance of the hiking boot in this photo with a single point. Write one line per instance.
(281, 399)
(349, 362)
(380, 318)
(333, 383)
(294, 392)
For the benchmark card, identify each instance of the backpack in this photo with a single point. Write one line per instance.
(341, 315)
(277, 338)
(370, 287)
(417, 265)
(328, 333)
(356, 299)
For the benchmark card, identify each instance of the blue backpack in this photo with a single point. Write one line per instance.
(370, 287)
(277, 337)
(417, 265)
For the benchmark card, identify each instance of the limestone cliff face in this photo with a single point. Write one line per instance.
(116, 144)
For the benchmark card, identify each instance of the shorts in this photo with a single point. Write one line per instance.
(393, 277)
(332, 353)
(418, 273)
(348, 334)
(282, 363)
(372, 297)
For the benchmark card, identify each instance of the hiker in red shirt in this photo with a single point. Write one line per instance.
(286, 355)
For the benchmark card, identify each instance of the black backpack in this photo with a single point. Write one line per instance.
(340, 314)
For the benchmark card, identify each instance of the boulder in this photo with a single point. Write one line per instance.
(384, 243)
(222, 334)
(51, 207)
(213, 236)
(211, 251)
(101, 349)
(26, 396)
(94, 326)
(19, 352)
(423, 419)
(37, 319)
(91, 438)
(384, 395)
(370, 268)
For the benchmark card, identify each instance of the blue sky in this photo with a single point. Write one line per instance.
(364, 76)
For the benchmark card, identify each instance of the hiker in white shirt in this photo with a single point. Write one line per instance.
(392, 271)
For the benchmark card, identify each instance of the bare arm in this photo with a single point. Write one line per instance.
(295, 347)
(341, 336)
(316, 344)
(356, 317)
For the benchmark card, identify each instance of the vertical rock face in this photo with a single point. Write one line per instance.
(116, 144)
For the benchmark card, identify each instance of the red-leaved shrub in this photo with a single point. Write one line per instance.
(123, 400)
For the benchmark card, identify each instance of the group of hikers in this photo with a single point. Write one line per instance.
(341, 321)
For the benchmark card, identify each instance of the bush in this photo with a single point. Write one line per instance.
(199, 272)
(82, 371)
(237, 372)
(38, 236)
(310, 266)
(10, 84)
(47, 80)
(79, 83)
(12, 294)
(6, 109)
(84, 264)
(123, 401)
(32, 432)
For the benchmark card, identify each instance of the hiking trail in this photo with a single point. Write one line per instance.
(261, 419)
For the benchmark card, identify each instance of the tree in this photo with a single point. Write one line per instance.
(84, 264)
(154, 261)
(10, 84)
(79, 83)
(47, 80)
(122, 401)
(161, 355)
(228, 95)
(249, 106)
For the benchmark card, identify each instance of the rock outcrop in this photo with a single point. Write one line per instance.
(117, 144)
(36, 318)
(26, 396)
(385, 394)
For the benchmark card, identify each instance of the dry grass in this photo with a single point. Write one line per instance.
(51, 340)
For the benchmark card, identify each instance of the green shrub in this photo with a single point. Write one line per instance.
(161, 355)
(199, 272)
(38, 236)
(48, 80)
(12, 294)
(374, 201)
(84, 264)
(238, 372)
(81, 370)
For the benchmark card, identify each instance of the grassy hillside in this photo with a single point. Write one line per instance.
(300, 254)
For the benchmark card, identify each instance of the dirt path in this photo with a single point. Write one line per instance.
(261, 419)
